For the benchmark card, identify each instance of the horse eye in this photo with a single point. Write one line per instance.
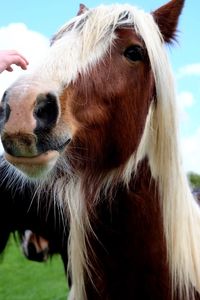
(134, 53)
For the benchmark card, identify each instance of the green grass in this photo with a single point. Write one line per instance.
(21, 279)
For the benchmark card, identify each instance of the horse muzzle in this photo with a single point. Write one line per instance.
(29, 133)
(31, 154)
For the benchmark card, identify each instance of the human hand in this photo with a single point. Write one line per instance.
(9, 57)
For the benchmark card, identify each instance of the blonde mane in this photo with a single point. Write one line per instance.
(95, 30)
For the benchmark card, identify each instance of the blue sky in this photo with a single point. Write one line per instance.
(47, 16)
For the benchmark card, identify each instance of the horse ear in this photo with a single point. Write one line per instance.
(167, 18)
(82, 9)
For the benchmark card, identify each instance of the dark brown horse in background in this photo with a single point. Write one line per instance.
(37, 220)
(96, 124)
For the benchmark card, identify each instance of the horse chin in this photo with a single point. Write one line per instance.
(36, 166)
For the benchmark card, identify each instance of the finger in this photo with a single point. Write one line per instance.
(19, 61)
(23, 64)
(24, 59)
(21, 57)
(9, 69)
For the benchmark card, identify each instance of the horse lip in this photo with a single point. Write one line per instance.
(62, 147)
(57, 146)
(40, 159)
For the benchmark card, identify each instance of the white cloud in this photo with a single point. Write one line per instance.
(188, 70)
(29, 43)
(190, 147)
(185, 100)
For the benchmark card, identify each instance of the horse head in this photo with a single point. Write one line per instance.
(89, 100)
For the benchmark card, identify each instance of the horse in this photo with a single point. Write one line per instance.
(36, 219)
(96, 122)
(34, 246)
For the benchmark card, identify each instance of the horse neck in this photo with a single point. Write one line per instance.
(130, 229)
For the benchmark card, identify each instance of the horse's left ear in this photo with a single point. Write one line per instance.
(167, 18)
(82, 9)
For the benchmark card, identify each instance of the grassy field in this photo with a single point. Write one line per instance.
(21, 279)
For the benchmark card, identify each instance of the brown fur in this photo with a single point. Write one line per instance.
(130, 248)
(106, 114)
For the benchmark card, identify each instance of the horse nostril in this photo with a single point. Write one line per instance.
(46, 111)
(4, 111)
(7, 112)
(8, 145)
(31, 251)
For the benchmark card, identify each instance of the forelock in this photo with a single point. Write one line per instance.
(102, 21)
